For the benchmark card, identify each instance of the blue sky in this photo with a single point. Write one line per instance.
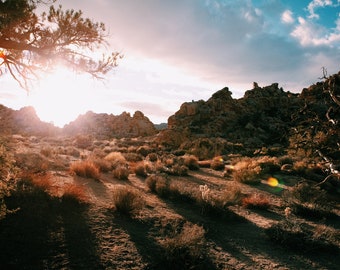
(182, 50)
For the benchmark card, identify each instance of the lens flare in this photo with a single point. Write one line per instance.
(273, 182)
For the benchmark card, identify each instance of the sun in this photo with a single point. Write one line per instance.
(61, 96)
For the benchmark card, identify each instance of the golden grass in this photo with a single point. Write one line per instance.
(126, 200)
(256, 201)
(74, 192)
(85, 169)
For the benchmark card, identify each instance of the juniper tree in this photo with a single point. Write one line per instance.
(31, 43)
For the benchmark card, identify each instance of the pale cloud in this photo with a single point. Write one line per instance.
(309, 33)
(287, 17)
(312, 6)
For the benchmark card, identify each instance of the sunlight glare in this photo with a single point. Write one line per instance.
(61, 96)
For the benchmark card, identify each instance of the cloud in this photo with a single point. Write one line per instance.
(287, 17)
(315, 4)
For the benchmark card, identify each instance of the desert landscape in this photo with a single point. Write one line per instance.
(249, 183)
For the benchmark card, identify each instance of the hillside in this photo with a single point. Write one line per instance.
(249, 183)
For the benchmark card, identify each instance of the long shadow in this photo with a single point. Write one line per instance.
(45, 234)
(244, 240)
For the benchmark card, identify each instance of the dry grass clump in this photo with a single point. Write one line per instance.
(309, 201)
(217, 163)
(47, 151)
(30, 161)
(121, 172)
(126, 200)
(115, 158)
(178, 170)
(42, 181)
(133, 157)
(191, 162)
(158, 184)
(153, 157)
(293, 234)
(73, 193)
(247, 171)
(83, 141)
(142, 168)
(102, 164)
(186, 249)
(231, 195)
(256, 201)
(85, 169)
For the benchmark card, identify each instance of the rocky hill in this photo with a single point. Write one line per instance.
(108, 125)
(24, 121)
(265, 117)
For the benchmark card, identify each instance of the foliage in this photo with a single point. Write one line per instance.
(184, 250)
(158, 184)
(308, 200)
(85, 169)
(256, 201)
(295, 235)
(127, 200)
(121, 172)
(31, 42)
(6, 181)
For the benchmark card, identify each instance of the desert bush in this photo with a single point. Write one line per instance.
(85, 169)
(116, 158)
(204, 163)
(126, 200)
(217, 163)
(6, 174)
(178, 170)
(133, 157)
(74, 194)
(31, 162)
(256, 201)
(186, 249)
(308, 200)
(141, 169)
(102, 164)
(72, 151)
(292, 234)
(231, 195)
(47, 151)
(143, 150)
(247, 171)
(158, 184)
(153, 157)
(42, 181)
(121, 172)
(83, 141)
(191, 162)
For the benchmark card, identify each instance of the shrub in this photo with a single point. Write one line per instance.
(42, 181)
(121, 172)
(83, 141)
(85, 169)
(308, 201)
(152, 157)
(158, 184)
(46, 151)
(217, 163)
(186, 249)
(299, 236)
(127, 200)
(73, 193)
(191, 162)
(256, 200)
(232, 195)
(247, 171)
(116, 158)
(178, 170)
(141, 169)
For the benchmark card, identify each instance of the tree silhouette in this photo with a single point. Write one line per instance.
(31, 43)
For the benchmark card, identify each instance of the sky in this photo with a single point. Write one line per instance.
(176, 51)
